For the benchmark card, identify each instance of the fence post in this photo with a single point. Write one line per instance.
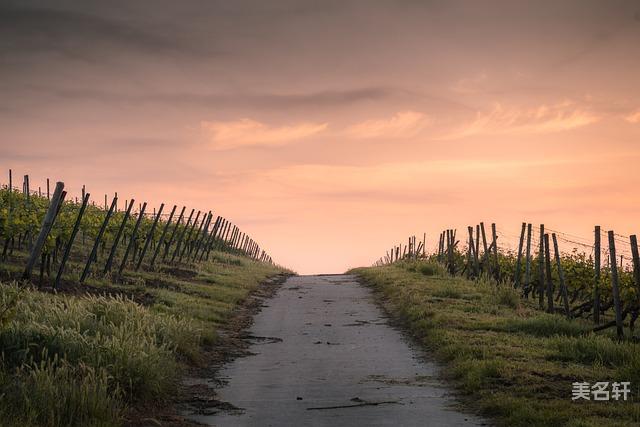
(162, 236)
(149, 236)
(541, 269)
(527, 274)
(47, 223)
(132, 239)
(173, 234)
(187, 241)
(615, 285)
(181, 236)
(596, 287)
(495, 251)
(516, 280)
(112, 253)
(563, 287)
(636, 264)
(485, 249)
(87, 266)
(67, 249)
(547, 261)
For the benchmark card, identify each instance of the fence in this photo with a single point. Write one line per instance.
(47, 225)
(577, 284)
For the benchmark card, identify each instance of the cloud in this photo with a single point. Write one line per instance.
(470, 85)
(404, 124)
(247, 132)
(543, 119)
(633, 117)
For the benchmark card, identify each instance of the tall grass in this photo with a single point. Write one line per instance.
(79, 360)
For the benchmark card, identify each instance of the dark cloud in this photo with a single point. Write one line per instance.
(29, 30)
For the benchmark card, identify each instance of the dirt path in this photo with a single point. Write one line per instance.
(324, 354)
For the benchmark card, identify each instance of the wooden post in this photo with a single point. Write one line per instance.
(202, 234)
(149, 236)
(485, 249)
(563, 287)
(47, 223)
(636, 265)
(181, 236)
(94, 251)
(495, 251)
(472, 249)
(203, 237)
(547, 261)
(162, 236)
(187, 241)
(541, 269)
(478, 246)
(615, 286)
(527, 273)
(212, 238)
(67, 249)
(112, 252)
(173, 233)
(48, 194)
(596, 287)
(10, 181)
(516, 279)
(132, 239)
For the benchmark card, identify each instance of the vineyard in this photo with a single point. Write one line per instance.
(76, 240)
(575, 283)
(103, 308)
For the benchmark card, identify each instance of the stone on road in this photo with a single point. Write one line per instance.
(333, 360)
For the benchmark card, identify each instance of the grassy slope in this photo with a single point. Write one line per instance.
(510, 361)
(78, 359)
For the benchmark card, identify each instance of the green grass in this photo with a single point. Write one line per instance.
(509, 361)
(85, 359)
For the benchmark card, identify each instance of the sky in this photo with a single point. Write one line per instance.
(331, 130)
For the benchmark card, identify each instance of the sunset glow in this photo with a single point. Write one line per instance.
(329, 133)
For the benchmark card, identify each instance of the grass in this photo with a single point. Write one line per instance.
(84, 359)
(509, 361)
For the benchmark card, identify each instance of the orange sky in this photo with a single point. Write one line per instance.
(330, 130)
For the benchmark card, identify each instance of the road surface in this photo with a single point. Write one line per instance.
(325, 355)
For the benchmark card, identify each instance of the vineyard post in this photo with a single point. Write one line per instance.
(516, 279)
(206, 239)
(112, 253)
(10, 182)
(203, 234)
(132, 239)
(475, 241)
(173, 234)
(424, 244)
(149, 236)
(615, 285)
(468, 267)
(448, 247)
(527, 275)
(485, 249)
(596, 286)
(162, 236)
(473, 257)
(188, 242)
(67, 249)
(212, 239)
(47, 224)
(48, 194)
(541, 269)
(181, 236)
(494, 236)
(547, 261)
(87, 266)
(636, 265)
(563, 287)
